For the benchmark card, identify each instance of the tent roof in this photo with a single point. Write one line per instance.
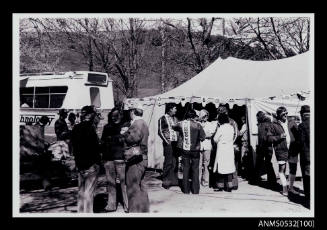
(234, 78)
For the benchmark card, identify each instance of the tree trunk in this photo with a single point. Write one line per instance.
(90, 51)
(308, 36)
(133, 65)
(197, 55)
(224, 26)
(89, 45)
(163, 58)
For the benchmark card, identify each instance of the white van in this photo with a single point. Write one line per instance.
(46, 93)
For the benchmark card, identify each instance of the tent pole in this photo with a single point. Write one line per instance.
(250, 147)
(152, 111)
(247, 120)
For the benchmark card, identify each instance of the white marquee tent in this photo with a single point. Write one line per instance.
(260, 85)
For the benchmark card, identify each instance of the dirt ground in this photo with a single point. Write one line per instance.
(248, 200)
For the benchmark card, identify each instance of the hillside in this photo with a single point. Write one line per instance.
(37, 56)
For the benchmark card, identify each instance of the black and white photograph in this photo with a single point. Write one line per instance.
(163, 115)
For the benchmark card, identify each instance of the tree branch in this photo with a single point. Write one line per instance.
(278, 37)
(197, 56)
(261, 39)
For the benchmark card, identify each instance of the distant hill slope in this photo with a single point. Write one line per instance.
(179, 60)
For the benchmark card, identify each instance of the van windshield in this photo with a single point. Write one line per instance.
(43, 97)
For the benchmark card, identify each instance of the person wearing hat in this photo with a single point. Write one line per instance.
(86, 150)
(136, 156)
(282, 134)
(169, 141)
(61, 127)
(304, 142)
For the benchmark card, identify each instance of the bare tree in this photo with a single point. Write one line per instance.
(72, 34)
(109, 45)
(37, 55)
(128, 52)
(279, 36)
(203, 44)
(163, 76)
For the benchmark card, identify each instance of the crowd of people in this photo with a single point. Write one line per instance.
(205, 147)
(122, 150)
(212, 153)
(288, 141)
(215, 153)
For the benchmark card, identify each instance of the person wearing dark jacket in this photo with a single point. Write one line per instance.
(304, 141)
(264, 150)
(113, 157)
(282, 134)
(191, 135)
(44, 161)
(169, 139)
(61, 127)
(72, 120)
(86, 151)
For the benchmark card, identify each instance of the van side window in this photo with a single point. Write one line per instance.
(95, 96)
(57, 96)
(43, 97)
(26, 97)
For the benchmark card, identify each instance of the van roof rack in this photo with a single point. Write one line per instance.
(42, 73)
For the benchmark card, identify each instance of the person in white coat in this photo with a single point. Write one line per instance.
(224, 162)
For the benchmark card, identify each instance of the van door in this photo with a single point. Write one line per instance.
(95, 96)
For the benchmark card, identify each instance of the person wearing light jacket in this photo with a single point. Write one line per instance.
(206, 146)
(136, 156)
(225, 159)
(223, 109)
(191, 134)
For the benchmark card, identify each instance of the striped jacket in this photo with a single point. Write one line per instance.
(165, 130)
(191, 135)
